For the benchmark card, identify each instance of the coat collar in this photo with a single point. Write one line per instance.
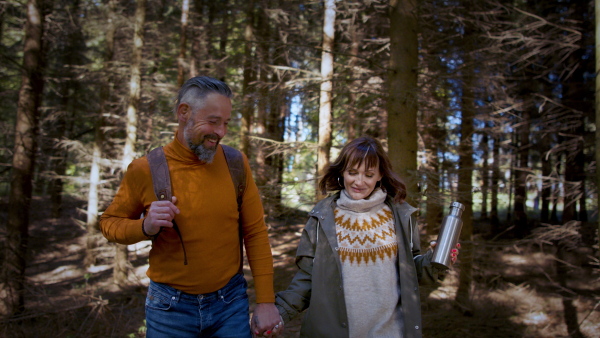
(323, 212)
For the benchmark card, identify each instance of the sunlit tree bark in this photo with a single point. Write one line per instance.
(181, 73)
(105, 88)
(26, 132)
(326, 96)
(135, 84)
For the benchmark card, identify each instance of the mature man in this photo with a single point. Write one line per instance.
(196, 288)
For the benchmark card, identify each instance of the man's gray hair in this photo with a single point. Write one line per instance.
(195, 90)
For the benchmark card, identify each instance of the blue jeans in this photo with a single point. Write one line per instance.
(223, 313)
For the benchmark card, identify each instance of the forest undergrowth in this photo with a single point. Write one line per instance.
(520, 288)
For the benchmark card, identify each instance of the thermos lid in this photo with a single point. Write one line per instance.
(457, 205)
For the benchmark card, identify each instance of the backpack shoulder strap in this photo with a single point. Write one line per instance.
(235, 162)
(161, 179)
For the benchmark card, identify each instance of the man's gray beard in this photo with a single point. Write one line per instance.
(204, 154)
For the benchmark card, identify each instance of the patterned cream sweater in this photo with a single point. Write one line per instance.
(368, 251)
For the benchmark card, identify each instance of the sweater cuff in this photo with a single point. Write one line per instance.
(264, 289)
(135, 233)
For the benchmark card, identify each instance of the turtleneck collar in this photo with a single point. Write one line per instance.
(375, 200)
(181, 152)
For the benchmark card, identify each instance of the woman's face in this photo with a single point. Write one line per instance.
(360, 182)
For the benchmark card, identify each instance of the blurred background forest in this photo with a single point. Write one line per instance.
(487, 102)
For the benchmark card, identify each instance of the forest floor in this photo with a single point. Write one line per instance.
(518, 289)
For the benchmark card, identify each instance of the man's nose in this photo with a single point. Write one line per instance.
(221, 130)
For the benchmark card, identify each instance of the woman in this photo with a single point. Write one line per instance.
(359, 255)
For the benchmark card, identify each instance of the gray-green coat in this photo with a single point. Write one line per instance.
(318, 287)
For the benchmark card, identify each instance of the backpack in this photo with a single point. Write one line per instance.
(161, 181)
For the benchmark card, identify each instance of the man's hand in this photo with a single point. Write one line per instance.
(160, 214)
(266, 321)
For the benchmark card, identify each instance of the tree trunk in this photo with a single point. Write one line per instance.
(324, 144)
(510, 182)
(26, 132)
(570, 311)
(181, 73)
(212, 62)
(276, 119)
(583, 213)
(354, 121)
(220, 67)
(556, 192)
(485, 177)
(465, 195)
(249, 77)
(572, 186)
(597, 144)
(3, 7)
(520, 212)
(402, 97)
(546, 184)
(60, 125)
(261, 171)
(135, 83)
(434, 198)
(276, 130)
(495, 184)
(93, 199)
(579, 99)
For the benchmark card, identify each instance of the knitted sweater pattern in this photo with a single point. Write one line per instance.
(368, 251)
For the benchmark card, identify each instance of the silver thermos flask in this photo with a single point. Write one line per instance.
(448, 237)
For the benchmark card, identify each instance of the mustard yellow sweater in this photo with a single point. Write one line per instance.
(208, 222)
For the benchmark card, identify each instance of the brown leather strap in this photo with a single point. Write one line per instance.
(161, 179)
(235, 162)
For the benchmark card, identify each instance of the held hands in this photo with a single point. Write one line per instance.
(160, 214)
(453, 252)
(266, 321)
